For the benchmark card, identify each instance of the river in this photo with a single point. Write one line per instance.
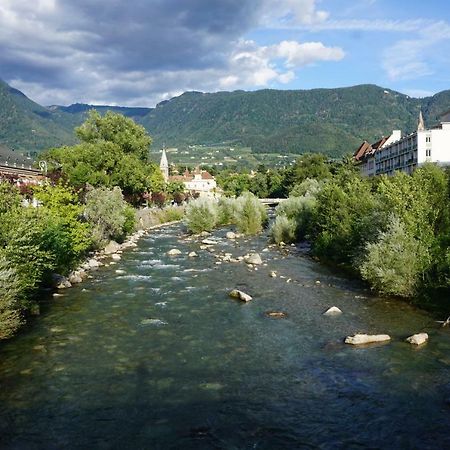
(159, 357)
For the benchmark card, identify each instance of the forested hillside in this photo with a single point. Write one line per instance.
(331, 121)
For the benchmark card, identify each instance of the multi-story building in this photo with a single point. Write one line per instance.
(405, 153)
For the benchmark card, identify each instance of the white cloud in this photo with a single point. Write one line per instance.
(410, 58)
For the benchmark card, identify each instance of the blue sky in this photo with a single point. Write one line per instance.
(139, 52)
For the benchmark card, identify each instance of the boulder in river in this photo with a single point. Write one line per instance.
(361, 339)
(116, 257)
(75, 277)
(174, 252)
(273, 274)
(61, 282)
(209, 242)
(112, 247)
(418, 339)
(333, 311)
(93, 263)
(230, 235)
(192, 255)
(276, 314)
(253, 258)
(239, 295)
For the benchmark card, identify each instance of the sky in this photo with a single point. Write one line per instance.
(140, 52)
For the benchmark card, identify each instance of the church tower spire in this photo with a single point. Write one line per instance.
(420, 122)
(164, 165)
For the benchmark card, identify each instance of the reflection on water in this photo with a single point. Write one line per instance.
(160, 357)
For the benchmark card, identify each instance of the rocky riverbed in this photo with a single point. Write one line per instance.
(152, 352)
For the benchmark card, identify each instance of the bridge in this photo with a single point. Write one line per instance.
(271, 201)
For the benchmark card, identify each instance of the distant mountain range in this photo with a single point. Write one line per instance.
(332, 121)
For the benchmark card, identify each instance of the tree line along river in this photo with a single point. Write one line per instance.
(152, 353)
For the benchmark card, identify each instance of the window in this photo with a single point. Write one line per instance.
(428, 152)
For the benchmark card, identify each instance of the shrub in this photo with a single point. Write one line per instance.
(10, 309)
(109, 214)
(227, 211)
(395, 263)
(283, 230)
(201, 215)
(298, 210)
(250, 214)
(310, 187)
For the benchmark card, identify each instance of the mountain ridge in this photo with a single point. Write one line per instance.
(329, 120)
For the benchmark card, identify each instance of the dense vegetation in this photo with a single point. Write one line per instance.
(113, 152)
(331, 121)
(393, 231)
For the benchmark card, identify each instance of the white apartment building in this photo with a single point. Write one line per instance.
(397, 153)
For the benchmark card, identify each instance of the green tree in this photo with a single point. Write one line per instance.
(115, 128)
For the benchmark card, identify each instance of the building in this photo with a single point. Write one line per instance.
(164, 165)
(17, 169)
(405, 153)
(197, 183)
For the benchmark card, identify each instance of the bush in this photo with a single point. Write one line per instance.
(299, 210)
(227, 211)
(283, 230)
(395, 263)
(310, 187)
(250, 214)
(10, 292)
(201, 215)
(109, 214)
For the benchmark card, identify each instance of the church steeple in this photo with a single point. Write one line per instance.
(164, 165)
(420, 122)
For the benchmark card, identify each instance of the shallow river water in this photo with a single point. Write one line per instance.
(159, 357)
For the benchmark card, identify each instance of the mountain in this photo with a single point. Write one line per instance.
(333, 121)
(27, 126)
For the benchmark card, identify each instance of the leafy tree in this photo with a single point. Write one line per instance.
(113, 152)
(395, 263)
(109, 214)
(130, 137)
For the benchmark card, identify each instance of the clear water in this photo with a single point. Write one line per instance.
(161, 358)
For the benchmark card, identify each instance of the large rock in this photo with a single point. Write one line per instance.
(174, 252)
(253, 258)
(93, 263)
(112, 247)
(116, 257)
(239, 295)
(192, 255)
(361, 339)
(231, 235)
(418, 339)
(209, 242)
(333, 311)
(60, 282)
(75, 278)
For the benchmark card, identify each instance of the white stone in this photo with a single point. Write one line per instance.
(120, 271)
(418, 339)
(273, 274)
(230, 235)
(174, 252)
(93, 263)
(116, 257)
(112, 247)
(253, 258)
(236, 293)
(333, 311)
(192, 255)
(361, 339)
(209, 242)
